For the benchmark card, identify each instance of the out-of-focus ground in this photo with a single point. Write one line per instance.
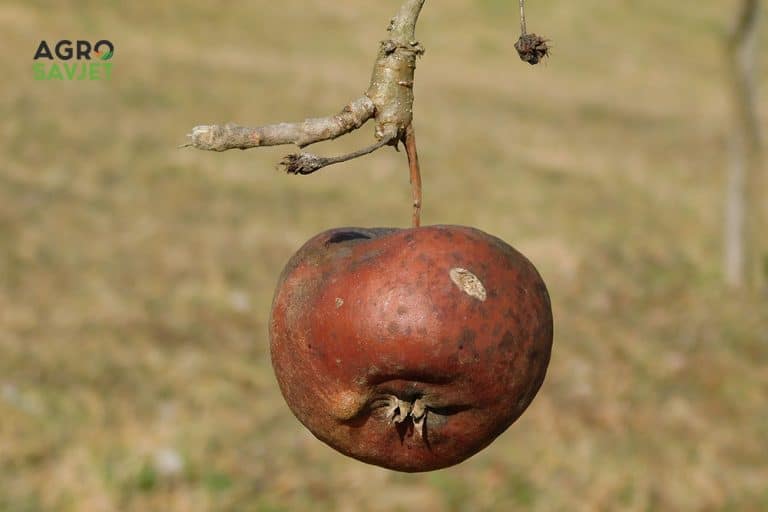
(136, 278)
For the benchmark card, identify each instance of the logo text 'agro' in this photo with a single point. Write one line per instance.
(90, 60)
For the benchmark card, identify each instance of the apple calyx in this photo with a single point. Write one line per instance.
(397, 411)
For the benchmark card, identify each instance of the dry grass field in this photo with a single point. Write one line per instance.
(136, 278)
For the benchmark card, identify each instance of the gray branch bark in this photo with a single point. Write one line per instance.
(745, 251)
(302, 134)
(388, 100)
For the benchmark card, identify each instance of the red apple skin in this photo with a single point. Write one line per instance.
(364, 315)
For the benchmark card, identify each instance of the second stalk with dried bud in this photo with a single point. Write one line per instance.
(531, 48)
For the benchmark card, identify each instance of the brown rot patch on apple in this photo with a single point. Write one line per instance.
(412, 349)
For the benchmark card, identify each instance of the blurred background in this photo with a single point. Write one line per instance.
(136, 278)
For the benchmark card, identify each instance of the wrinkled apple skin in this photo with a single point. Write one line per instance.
(364, 318)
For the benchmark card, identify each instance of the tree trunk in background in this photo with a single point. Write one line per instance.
(746, 253)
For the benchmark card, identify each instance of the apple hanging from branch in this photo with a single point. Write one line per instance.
(411, 349)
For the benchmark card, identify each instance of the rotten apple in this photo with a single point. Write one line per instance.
(411, 349)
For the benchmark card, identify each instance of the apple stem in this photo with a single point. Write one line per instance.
(413, 164)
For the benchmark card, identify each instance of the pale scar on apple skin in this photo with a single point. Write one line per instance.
(469, 283)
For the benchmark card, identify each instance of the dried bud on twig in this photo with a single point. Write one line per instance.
(532, 48)
(302, 163)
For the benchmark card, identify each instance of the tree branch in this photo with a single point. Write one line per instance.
(746, 23)
(302, 134)
(389, 100)
(746, 215)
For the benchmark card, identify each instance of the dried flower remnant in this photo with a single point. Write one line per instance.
(532, 48)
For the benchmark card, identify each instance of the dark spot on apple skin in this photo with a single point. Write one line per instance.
(392, 328)
(316, 351)
(369, 255)
(402, 310)
(514, 316)
(443, 233)
(426, 260)
(507, 342)
(468, 336)
(467, 342)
